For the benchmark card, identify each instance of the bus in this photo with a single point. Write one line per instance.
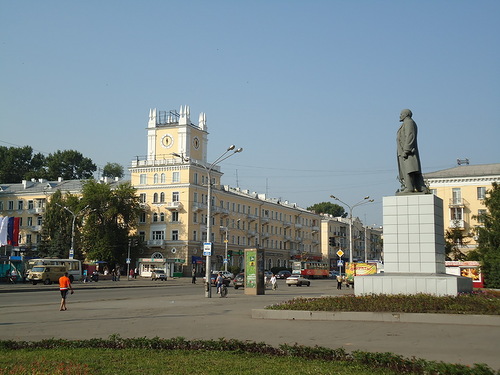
(311, 269)
(73, 266)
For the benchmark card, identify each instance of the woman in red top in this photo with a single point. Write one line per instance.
(64, 286)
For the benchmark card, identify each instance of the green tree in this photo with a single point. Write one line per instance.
(112, 216)
(454, 239)
(70, 165)
(328, 208)
(488, 250)
(18, 163)
(112, 170)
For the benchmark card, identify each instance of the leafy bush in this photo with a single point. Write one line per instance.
(482, 302)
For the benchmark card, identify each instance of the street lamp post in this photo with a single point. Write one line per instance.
(351, 208)
(208, 265)
(71, 251)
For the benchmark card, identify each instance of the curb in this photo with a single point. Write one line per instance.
(387, 317)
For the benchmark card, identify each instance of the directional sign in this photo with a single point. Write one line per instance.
(340, 253)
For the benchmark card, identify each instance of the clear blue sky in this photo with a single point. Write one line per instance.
(311, 90)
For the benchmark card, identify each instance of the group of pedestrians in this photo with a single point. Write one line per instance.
(342, 280)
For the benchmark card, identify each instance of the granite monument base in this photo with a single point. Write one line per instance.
(410, 283)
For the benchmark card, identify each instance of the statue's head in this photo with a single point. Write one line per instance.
(404, 114)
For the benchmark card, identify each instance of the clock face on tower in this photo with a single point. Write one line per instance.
(167, 141)
(196, 143)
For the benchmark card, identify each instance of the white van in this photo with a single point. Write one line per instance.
(47, 274)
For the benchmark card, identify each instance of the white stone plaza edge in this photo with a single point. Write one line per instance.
(414, 255)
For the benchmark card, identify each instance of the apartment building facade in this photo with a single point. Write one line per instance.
(463, 189)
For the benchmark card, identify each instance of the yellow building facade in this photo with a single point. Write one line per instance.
(463, 189)
(172, 183)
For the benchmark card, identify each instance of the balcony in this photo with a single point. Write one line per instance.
(315, 228)
(220, 210)
(251, 217)
(288, 238)
(156, 243)
(251, 233)
(297, 225)
(35, 228)
(264, 235)
(264, 220)
(457, 224)
(197, 207)
(457, 202)
(287, 224)
(174, 206)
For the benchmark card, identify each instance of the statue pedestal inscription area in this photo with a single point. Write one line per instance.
(414, 253)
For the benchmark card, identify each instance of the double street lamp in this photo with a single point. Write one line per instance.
(365, 200)
(209, 169)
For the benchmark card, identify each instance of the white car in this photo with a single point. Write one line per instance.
(226, 274)
(298, 280)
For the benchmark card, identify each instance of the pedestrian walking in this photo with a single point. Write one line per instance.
(339, 282)
(193, 275)
(64, 286)
(274, 282)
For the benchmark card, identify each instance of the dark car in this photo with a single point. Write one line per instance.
(283, 274)
(239, 281)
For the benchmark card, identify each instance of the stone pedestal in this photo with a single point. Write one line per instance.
(413, 250)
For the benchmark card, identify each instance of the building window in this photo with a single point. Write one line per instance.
(155, 178)
(196, 178)
(195, 197)
(20, 205)
(155, 217)
(175, 235)
(175, 177)
(195, 217)
(142, 217)
(456, 213)
(481, 192)
(30, 205)
(39, 220)
(11, 206)
(175, 196)
(162, 216)
(162, 197)
(142, 236)
(1, 206)
(142, 179)
(155, 198)
(195, 236)
(175, 216)
(142, 198)
(163, 178)
(456, 195)
(480, 216)
(158, 235)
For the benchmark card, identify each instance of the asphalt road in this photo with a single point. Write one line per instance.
(143, 308)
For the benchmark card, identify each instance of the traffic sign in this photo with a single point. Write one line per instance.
(207, 249)
(340, 253)
(340, 263)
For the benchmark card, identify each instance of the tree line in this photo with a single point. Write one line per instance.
(22, 163)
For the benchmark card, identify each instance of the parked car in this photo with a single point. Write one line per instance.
(297, 280)
(158, 275)
(239, 281)
(283, 274)
(226, 274)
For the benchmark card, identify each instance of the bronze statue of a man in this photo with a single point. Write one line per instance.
(410, 171)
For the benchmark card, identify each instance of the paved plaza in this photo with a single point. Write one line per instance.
(143, 308)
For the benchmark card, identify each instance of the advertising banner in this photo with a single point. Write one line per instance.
(359, 269)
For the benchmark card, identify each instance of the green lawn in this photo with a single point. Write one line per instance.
(178, 362)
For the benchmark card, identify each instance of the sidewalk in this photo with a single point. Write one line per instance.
(123, 283)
